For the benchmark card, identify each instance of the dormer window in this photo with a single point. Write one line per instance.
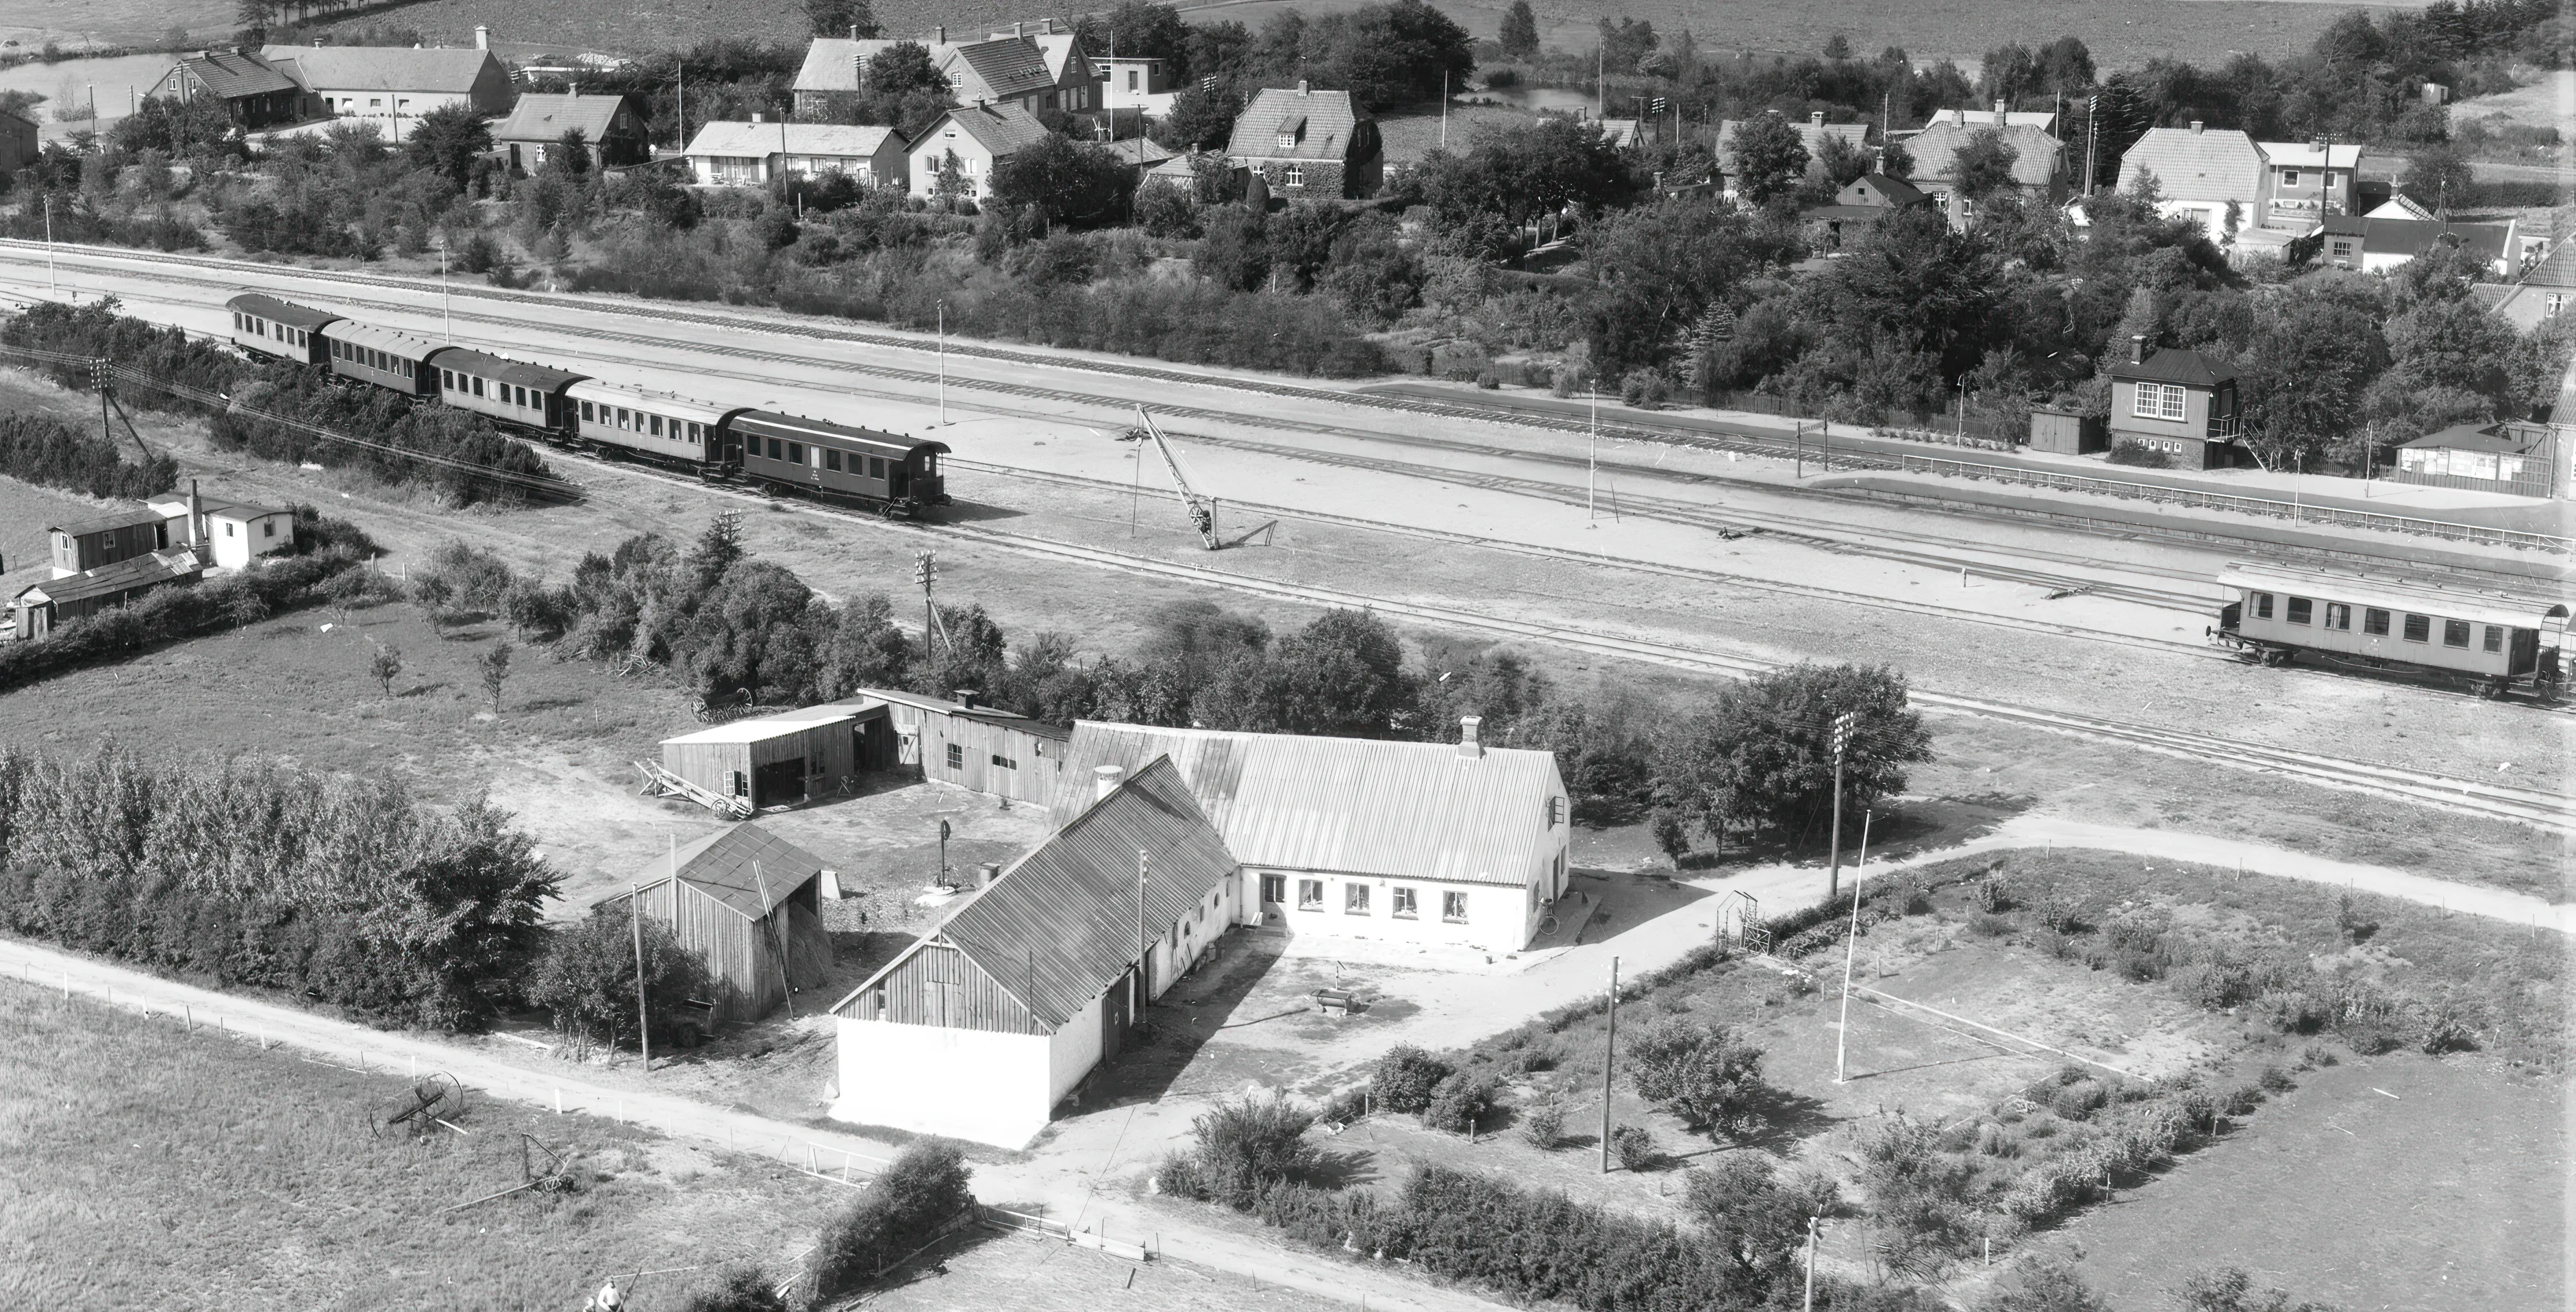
(1287, 141)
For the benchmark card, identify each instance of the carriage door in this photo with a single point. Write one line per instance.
(2526, 652)
(898, 479)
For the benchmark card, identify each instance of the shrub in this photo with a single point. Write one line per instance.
(1243, 1147)
(1634, 1146)
(2242, 1100)
(2275, 1080)
(1345, 1107)
(1707, 1074)
(1459, 1103)
(901, 1210)
(1406, 1078)
(739, 1288)
(46, 450)
(1543, 1124)
(172, 614)
(586, 979)
(2447, 1031)
(1984, 925)
(1645, 389)
(2138, 455)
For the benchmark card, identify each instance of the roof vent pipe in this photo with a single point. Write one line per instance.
(1105, 780)
(1470, 743)
(986, 873)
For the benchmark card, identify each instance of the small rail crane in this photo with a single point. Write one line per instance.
(1202, 508)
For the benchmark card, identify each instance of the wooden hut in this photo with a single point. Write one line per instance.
(979, 747)
(771, 760)
(747, 903)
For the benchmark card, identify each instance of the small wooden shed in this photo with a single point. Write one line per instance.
(979, 747)
(2066, 433)
(747, 903)
(772, 760)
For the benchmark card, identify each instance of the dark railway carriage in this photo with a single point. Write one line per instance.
(2488, 644)
(280, 330)
(656, 426)
(894, 473)
(516, 395)
(395, 361)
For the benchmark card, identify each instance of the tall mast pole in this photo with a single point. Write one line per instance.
(1609, 1061)
(1851, 946)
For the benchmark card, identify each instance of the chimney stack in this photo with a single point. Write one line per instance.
(1470, 745)
(482, 37)
(2001, 116)
(196, 515)
(943, 34)
(755, 116)
(986, 873)
(2138, 349)
(1105, 780)
(1016, 30)
(1959, 118)
(854, 31)
(1816, 118)
(966, 698)
(1301, 86)
(2195, 125)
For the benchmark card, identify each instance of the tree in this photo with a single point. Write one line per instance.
(496, 670)
(1663, 265)
(570, 155)
(843, 18)
(586, 979)
(1762, 749)
(384, 666)
(927, 1187)
(1523, 171)
(1983, 164)
(2439, 178)
(1520, 31)
(1233, 248)
(1372, 271)
(1753, 1218)
(1141, 29)
(2043, 1285)
(446, 140)
(1770, 158)
(1203, 119)
(1069, 182)
(1342, 674)
(1625, 42)
(1705, 1073)
(434, 593)
(1388, 54)
(1837, 48)
(2310, 363)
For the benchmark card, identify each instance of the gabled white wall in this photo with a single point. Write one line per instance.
(965, 1084)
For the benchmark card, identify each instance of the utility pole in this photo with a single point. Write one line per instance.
(1144, 953)
(786, 977)
(1851, 946)
(2092, 135)
(1834, 863)
(98, 375)
(1609, 1061)
(1810, 1304)
(446, 299)
(1444, 112)
(1592, 461)
(53, 285)
(943, 364)
(925, 569)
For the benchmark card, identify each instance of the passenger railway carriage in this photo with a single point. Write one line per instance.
(515, 394)
(667, 429)
(2491, 645)
(280, 330)
(396, 361)
(896, 474)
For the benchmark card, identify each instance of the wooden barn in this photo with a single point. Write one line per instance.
(747, 903)
(771, 760)
(979, 747)
(986, 1022)
(39, 608)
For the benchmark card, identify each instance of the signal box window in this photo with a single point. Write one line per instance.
(956, 757)
(2495, 637)
(1403, 908)
(2301, 610)
(1355, 899)
(2419, 628)
(1453, 908)
(2262, 605)
(1310, 895)
(2455, 633)
(2338, 615)
(2374, 622)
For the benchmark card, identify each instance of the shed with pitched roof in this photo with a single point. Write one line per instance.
(747, 904)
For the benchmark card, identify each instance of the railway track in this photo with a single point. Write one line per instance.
(1841, 537)
(2525, 806)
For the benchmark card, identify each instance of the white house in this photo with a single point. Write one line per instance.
(2303, 182)
(742, 154)
(1133, 83)
(2213, 177)
(986, 1022)
(229, 534)
(976, 138)
(392, 86)
(1456, 845)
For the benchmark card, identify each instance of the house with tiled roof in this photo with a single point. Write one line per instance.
(2304, 182)
(2388, 243)
(838, 66)
(956, 153)
(1863, 203)
(1304, 142)
(391, 86)
(1038, 71)
(2038, 168)
(744, 154)
(2544, 291)
(612, 129)
(2212, 176)
(1998, 116)
(2179, 404)
(256, 93)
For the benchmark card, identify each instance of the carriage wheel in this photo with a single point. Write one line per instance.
(2276, 657)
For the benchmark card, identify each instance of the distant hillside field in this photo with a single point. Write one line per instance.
(2121, 32)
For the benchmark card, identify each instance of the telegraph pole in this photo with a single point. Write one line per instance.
(1851, 945)
(53, 285)
(925, 567)
(2092, 135)
(1810, 1304)
(1834, 863)
(1609, 1060)
(1592, 461)
(1144, 953)
(943, 364)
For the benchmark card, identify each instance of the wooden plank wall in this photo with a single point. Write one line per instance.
(745, 972)
(939, 985)
(1040, 759)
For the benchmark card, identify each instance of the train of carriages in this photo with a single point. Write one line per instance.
(2489, 645)
(896, 475)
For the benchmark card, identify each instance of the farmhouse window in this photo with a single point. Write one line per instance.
(1274, 888)
(2158, 401)
(2374, 622)
(2455, 633)
(2289, 177)
(1403, 908)
(2301, 610)
(2495, 637)
(2262, 605)
(741, 784)
(1355, 899)
(1310, 895)
(2419, 628)
(2557, 302)
(268, 529)
(1453, 908)
(2338, 615)
(956, 756)
(1005, 762)
(1555, 811)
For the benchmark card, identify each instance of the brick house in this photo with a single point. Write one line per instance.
(1304, 142)
(2180, 404)
(977, 137)
(256, 93)
(611, 126)
(2038, 168)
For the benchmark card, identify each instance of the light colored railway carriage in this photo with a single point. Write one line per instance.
(514, 393)
(896, 474)
(658, 425)
(395, 361)
(2488, 643)
(280, 330)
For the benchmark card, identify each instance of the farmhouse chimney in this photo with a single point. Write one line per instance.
(854, 31)
(1470, 742)
(755, 116)
(1016, 30)
(196, 514)
(1301, 86)
(2001, 117)
(482, 37)
(2138, 349)
(2195, 126)
(943, 34)
(1105, 780)
(1816, 118)
(1050, 27)
(1959, 117)
(966, 698)
(986, 873)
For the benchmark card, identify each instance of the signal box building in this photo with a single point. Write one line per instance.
(982, 1026)
(746, 903)
(2179, 403)
(1453, 845)
(771, 760)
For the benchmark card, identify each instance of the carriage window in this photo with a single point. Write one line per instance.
(695, 431)
(776, 446)
(2419, 628)
(796, 453)
(2301, 610)
(586, 415)
(2262, 605)
(657, 425)
(478, 387)
(2455, 633)
(876, 466)
(2374, 622)
(832, 461)
(409, 370)
(2495, 637)
(2338, 615)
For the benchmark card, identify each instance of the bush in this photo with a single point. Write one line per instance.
(1543, 1125)
(1244, 1147)
(1345, 1107)
(1645, 389)
(2138, 455)
(587, 978)
(172, 614)
(1704, 1073)
(1459, 1103)
(2275, 1080)
(1634, 1146)
(901, 1210)
(1406, 1078)
(739, 1288)
(43, 449)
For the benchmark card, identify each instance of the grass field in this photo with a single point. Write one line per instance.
(143, 1166)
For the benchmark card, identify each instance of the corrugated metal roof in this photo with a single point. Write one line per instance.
(1060, 925)
(137, 572)
(504, 368)
(545, 117)
(277, 311)
(2305, 155)
(2503, 439)
(2421, 598)
(981, 714)
(761, 728)
(383, 68)
(2208, 166)
(1353, 805)
(748, 868)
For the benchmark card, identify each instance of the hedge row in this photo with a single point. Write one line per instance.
(908, 1206)
(46, 450)
(96, 330)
